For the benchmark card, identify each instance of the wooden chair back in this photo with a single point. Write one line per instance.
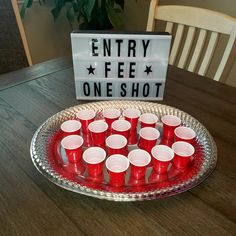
(202, 28)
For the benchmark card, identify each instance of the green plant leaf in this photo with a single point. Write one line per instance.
(75, 5)
(88, 8)
(26, 4)
(121, 3)
(59, 4)
(29, 3)
(118, 9)
(70, 15)
(114, 17)
(40, 2)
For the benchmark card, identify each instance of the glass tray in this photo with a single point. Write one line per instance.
(50, 160)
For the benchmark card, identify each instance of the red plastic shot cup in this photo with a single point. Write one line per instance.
(86, 117)
(117, 166)
(133, 138)
(121, 127)
(157, 178)
(110, 115)
(94, 158)
(167, 142)
(185, 134)
(148, 120)
(139, 160)
(98, 131)
(71, 127)
(183, 154)
(73, 147)
(116, 144)
(170, 122)
(148, 137)
(162, 157)
(137, 184)
(132, 115)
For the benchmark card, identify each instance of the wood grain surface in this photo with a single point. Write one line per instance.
(31, 205)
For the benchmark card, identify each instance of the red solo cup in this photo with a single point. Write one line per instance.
(73, 147)
(133, 139)
(157, 178)
(121, 127)
(185, 134)
(170, 122)
(148, 120)
(132, 115)
(116, 144)
(71, 127)
(111, 115)
(148, 138)
(139, 160)
(167, 142)
(86, 117)
(87, 139)
(162, 157)
(94, 158)
(117, 166)
(137, 183)
(183, 153)
(98, 131)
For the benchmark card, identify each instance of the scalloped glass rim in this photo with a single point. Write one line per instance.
(39, 143)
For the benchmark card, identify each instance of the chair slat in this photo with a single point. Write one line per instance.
(198, 50)
(209, 53)
(187, 47)
(169, 27)
(226, 54)
(175, 47)
(151, 15)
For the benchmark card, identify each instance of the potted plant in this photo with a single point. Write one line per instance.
(87, 14)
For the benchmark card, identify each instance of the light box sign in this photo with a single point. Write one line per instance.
(120, 65)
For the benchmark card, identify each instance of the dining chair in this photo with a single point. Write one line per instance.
(196, 34)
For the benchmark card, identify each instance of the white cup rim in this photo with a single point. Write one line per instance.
(98, 151)
(185, 133)
(131, 113)
(171, 120)
(70, 126)
(148, 118)
(162, 150)
(72, 142)
(180, 145)
(110, 141)
(114, 158)
(86, 114)
(143, 133)
(111, 113)
(139, 154)
(95, 128)
(121, 125)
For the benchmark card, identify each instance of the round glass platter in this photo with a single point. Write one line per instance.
(50, 160)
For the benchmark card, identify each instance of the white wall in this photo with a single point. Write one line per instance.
(47, 39)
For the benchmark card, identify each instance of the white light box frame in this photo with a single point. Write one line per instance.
(111, 65)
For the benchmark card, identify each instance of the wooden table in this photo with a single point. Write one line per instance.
(31, 205)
